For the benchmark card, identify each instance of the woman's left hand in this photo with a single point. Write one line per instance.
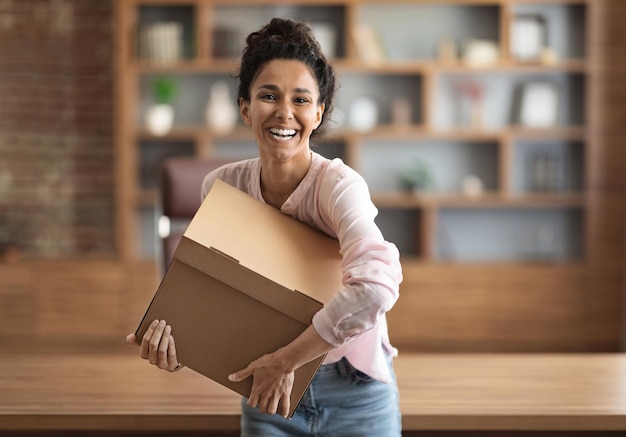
(271, 384)
(273, 374)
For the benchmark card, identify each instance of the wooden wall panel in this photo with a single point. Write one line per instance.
(437, 310)
(607, 180)
(486, 308)
(143, 283)
(18, 303)
(79, 300)
(80, 303)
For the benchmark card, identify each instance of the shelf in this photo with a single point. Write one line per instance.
(193, 132)
(497, 150)
(390, 132)
(187, 66)
(490, 200)
(566, 133)
(548, 234)
(355, 65)
(564, 66)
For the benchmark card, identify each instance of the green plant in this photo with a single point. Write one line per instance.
(417, 178)
(164, 89)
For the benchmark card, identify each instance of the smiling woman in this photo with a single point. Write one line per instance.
(283, 112)
(285, 96)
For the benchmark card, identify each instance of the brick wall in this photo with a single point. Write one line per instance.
(56, 127)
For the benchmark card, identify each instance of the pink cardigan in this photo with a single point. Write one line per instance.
(335, 199)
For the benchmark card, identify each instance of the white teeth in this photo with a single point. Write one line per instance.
(283, 132)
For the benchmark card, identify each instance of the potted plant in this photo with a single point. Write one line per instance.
(160, 116)
(417, 178)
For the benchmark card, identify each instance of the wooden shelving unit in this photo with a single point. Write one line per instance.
(497, 151)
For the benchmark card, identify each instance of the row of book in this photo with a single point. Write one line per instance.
(161, 42)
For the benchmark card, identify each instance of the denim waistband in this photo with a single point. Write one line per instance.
(345, 369)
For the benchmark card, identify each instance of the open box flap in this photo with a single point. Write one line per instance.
(227, 270)
(268, 242)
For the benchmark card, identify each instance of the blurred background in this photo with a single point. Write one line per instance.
(490, 134)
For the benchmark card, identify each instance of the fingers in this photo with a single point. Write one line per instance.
(172, 359)
(158, 346)
(241, 375)
(285, 404)
(144, 348)
(163, 348)
(272, 405)
(131, 339)
(270, 391)
(154, 341)
(253, 400)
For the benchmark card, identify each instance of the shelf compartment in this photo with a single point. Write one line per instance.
(234, 148)
(190, 100)
(565, 26)
(331, 149)
(233, 22)
(396, 23)
(165, 34)
(497, 106)
(146, 237)
(151, 156)
(385, 91)
(403, 227)
(548, 166)
(449, 162)
(506, 235)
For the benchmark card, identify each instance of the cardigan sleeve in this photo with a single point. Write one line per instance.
(371, 270)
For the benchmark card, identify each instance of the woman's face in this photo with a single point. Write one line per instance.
(283, 109)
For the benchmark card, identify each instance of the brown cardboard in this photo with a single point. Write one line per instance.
(245, 280)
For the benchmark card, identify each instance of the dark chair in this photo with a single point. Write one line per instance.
(179, 199)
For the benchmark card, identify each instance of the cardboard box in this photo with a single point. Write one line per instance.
(245, 280)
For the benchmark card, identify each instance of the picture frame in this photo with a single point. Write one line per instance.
(539, 105)
(368, 45)
(529, 37)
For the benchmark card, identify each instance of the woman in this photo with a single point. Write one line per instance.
(285, 96)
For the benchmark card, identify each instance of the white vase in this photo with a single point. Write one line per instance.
(159, 119)
(363, 114)
(221, 113)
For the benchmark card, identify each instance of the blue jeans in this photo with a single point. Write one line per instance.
(340, 402)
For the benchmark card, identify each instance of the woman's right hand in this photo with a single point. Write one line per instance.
(157, 346)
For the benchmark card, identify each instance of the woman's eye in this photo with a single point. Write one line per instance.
(301, 100)
(268, 97)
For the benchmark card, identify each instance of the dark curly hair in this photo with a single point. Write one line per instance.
(287, 39)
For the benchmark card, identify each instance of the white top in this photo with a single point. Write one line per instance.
(335, 199)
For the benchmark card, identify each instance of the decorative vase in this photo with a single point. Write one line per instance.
(221, 113)
(363, 114)
(159, 119)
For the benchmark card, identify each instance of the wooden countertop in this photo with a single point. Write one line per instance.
(438, 392)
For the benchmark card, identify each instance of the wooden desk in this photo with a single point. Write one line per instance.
(444, 393)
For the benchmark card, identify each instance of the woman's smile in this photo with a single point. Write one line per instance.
(282, 134)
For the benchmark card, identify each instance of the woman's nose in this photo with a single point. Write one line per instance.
(284, 111)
